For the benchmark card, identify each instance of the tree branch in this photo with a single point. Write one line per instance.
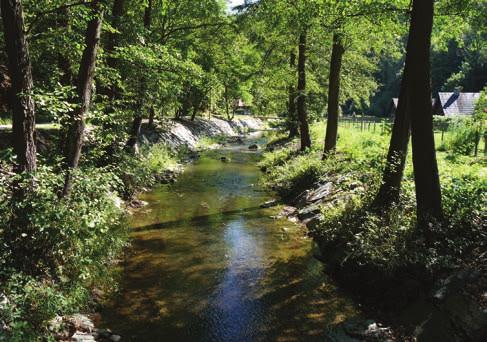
(54, 10)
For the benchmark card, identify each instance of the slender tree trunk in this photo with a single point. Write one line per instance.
(23, 121)
(137, 123)
(195, 111)
(227, 106)
(74, 139)
(428, 191)
(292, 120)
(301, 100)
(112, 43)
(152, 114)
(398, 147)
(333, 95)
(63, 61)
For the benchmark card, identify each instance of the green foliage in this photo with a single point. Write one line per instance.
(276, 158)
(295, 175)
(364, 239)
(52, 250)
(142, 170)
(464, 137)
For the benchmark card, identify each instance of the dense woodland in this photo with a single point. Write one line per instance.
(98, 72)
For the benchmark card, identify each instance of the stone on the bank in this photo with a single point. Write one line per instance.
(309, 211)
(287, 212)
(320, 193)
(80, 323)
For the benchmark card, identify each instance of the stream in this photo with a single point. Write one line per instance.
(207, 263)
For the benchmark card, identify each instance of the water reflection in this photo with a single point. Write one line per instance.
(208, 264)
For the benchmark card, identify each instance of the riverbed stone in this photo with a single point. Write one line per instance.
(82, 337)
(287, 211)
(309, 211)
(80, 322)
(115, 338)
(269, 203)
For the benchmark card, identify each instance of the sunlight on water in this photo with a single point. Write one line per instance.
(208, 264)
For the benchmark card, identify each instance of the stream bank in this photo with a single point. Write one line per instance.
(417, 305)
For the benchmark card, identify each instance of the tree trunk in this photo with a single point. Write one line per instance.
(74, 139)
(292, 120)
(398, 148)
(63, 60)
(137, 123)
(428, 191)
(152, 114)
(23, 108)
(112, 43)
(195, 111)
(333, 95)
(301, 100)
(227, 106)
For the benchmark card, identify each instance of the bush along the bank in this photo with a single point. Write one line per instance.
(55, 251)
(357, 240)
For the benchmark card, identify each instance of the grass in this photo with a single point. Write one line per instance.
(208, 142)
(387, 242)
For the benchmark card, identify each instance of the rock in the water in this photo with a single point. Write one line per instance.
(82, 337)
(137, 204)
(367, 330)
(80, 323)
(287, 211)
(254, 147)
(115, 338)
(224, 159)
(269, 204)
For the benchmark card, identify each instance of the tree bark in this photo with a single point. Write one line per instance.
(137, 123)
(398, 148)
(301, 100)
(23, 108)
(291, 119)
(74, 139)
(112, 43)
(333, 94)
(227, 105)
(428, 191)
(63, 60)
(152, 114)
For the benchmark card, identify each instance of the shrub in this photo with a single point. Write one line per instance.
(276, 158)
(142, 170)
(295, 175)
(389, 241)
(464, 136)
(55, 249)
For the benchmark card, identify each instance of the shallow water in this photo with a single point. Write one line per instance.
(208, 264)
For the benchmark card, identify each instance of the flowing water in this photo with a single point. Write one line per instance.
(208, 264)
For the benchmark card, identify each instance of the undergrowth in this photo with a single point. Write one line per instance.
(55, 251)
(361, 238)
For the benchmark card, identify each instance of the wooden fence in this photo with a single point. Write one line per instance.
(366, 123)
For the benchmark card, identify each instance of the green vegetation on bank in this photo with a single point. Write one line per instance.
(367, 239)
(55, 251)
